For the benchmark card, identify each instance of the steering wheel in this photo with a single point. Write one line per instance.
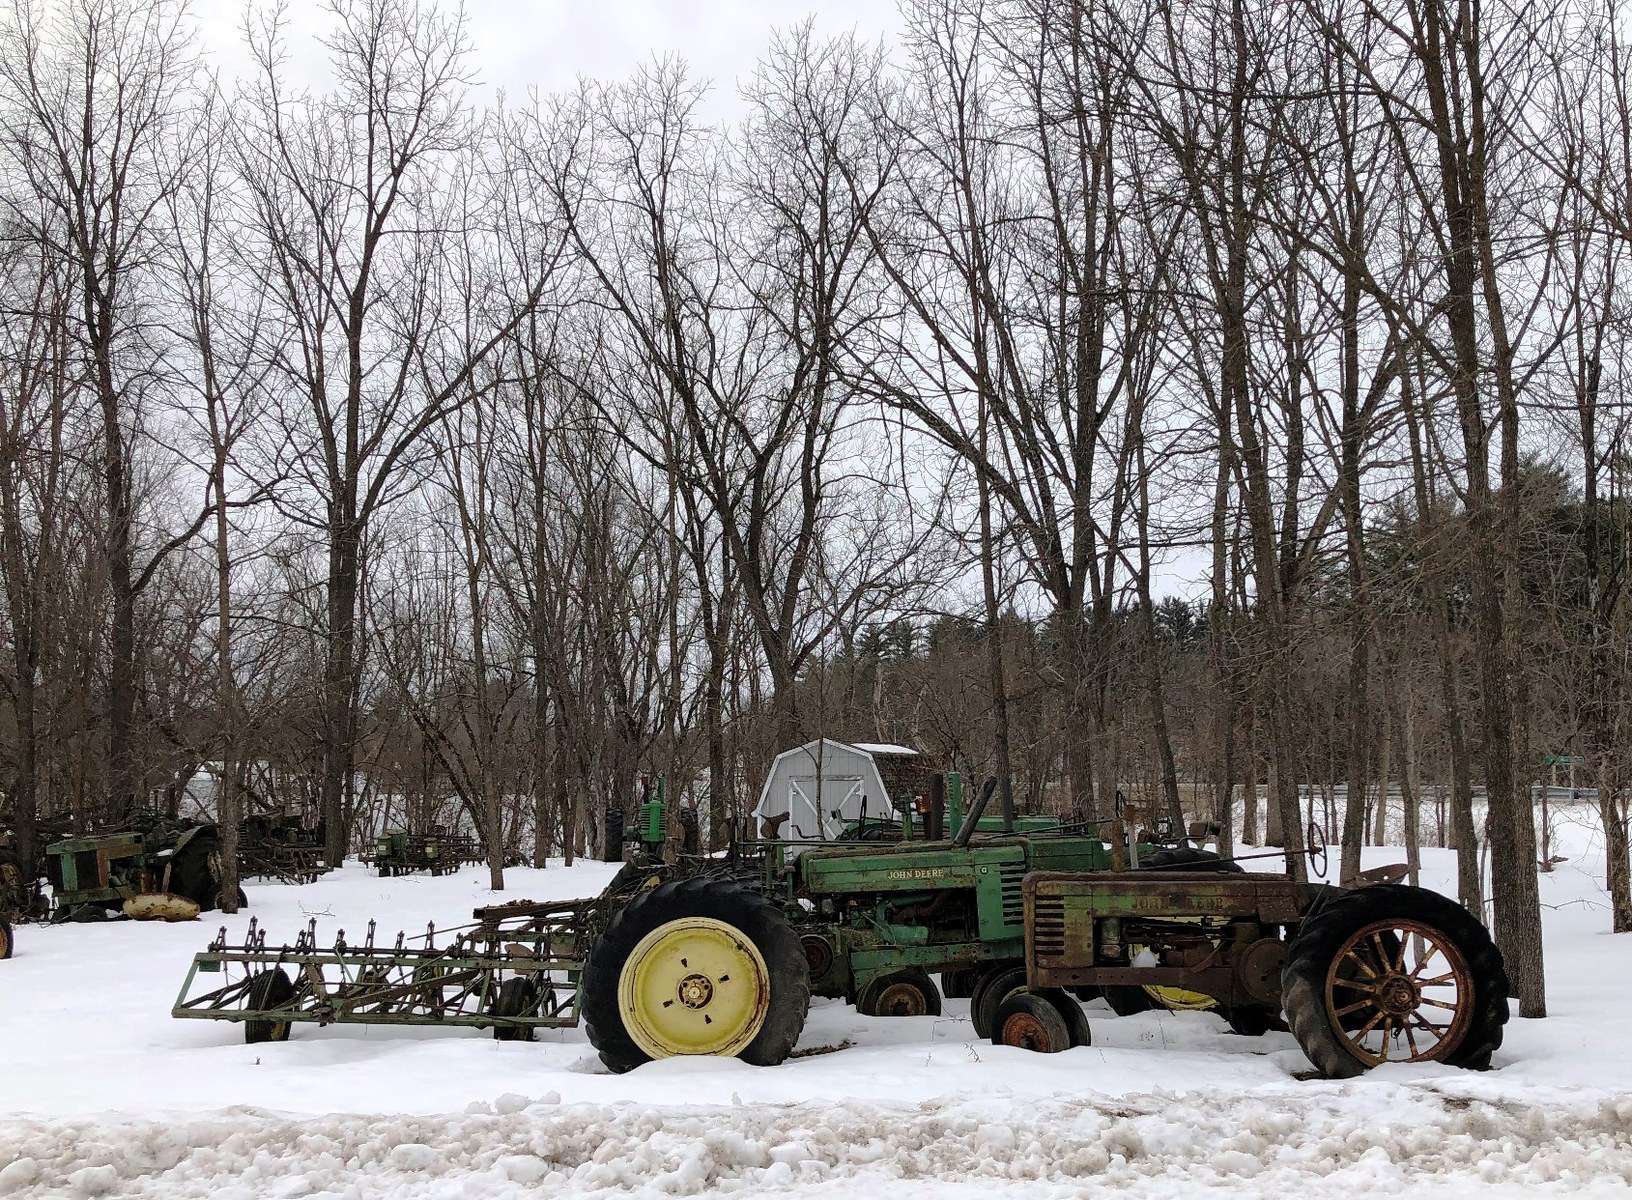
(1315, 842)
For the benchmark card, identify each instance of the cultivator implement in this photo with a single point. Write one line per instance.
(515, 969)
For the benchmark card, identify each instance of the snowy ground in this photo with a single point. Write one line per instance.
(103, 1093)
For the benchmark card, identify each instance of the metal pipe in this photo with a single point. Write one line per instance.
(972, 818)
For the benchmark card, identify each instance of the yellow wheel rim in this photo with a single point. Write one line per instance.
(1180, 1000)
(694, 986)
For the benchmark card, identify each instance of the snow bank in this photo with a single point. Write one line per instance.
(1392, 1137)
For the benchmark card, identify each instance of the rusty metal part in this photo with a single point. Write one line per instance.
(1193, 951)
(1258, 969)
(1387, 873)
(1399, 991)
(818, 954)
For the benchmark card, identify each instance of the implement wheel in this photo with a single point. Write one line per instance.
(1031, 1022)
(5, 938)
(696, 966)
(908, 993)
(269, 989)
(516, 997)
(1394, 974)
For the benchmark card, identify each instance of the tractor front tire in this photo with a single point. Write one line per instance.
(1392, 973)
(997, 985)
(1076, 1021)
(1031, 1022)
(907, 993)
(269, 989)
(696, 966)
(1126, 999)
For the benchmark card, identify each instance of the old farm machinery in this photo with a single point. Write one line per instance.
(720, 956)
(437, 852)
(514, 969)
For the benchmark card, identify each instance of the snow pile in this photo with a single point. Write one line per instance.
(1365, 1137)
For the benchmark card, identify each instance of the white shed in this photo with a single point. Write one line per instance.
(823, 784)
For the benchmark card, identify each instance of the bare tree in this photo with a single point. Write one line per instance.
(353, 219)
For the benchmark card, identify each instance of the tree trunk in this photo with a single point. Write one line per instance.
(1409, 787)
(1380, 831)
(339, 676)
(229, 811)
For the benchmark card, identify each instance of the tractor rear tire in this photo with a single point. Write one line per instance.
(1076, 1021)
(516, 998)
(907, 993)
(1031, 1022)
(268, 989)
(1331, 965)
(996, 986)
(5, 938)
(193, 875)
(643, 998)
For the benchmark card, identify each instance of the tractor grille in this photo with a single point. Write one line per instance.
(1048, 927)
(1014, 903)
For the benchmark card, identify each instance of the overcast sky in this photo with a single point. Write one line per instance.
(521, 44)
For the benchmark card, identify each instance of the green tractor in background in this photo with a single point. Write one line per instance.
(96, 875)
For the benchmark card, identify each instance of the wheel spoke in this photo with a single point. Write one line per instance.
(1437, 980)
(1360, 1035)
(1411, 1039)
(1359, 959)
(1356, 1007)
(1433, 949)
(1439, 1004)
(1388, 1038)
(1354, 985)
(1399, 957)
(1382, 952)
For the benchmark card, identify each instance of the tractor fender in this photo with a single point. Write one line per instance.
(192, 833)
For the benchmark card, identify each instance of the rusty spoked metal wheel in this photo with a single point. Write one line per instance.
(1399, 989)
(1394, 974)
(5, 938)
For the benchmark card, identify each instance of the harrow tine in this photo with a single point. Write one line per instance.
(369, 945)
(340, 942)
